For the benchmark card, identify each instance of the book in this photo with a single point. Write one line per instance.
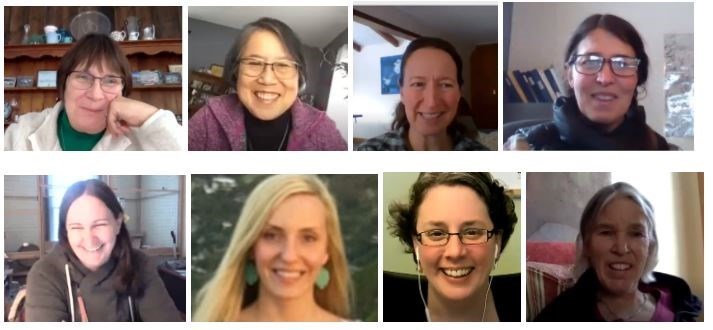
(517, 87)
(509, 90)
(548, 87)
(525, 85)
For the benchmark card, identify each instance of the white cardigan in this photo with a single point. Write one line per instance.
(38, 131)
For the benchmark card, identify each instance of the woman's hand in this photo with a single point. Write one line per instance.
(125, 113)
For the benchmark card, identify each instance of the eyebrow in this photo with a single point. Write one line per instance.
(280, 229)
(439, 223)
(70, 223)
(426, 78)
(280, 58)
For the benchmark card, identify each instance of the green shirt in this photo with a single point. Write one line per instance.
(73, 140)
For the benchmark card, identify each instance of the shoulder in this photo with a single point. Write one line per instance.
(389, 141)
(464, 143)
(542, 136)
(27, 124)
(49, 267)
(506, 293)
(316, 131)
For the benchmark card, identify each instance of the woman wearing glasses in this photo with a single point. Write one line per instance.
(606, 68)
(268, 70)
(456, 225)
(94, 112)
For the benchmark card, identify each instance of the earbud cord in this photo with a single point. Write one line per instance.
(420, 292)
(485, 303)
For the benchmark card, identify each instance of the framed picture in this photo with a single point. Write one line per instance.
(390, 72)
(10, 82)
(46, 78)
(25, 81)
(175, 68)
(172, 78)
(216, 70)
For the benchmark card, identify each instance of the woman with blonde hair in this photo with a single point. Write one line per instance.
(285, 261)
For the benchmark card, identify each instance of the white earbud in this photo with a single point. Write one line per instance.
(418, 260)
(417, 257)
(497, 250)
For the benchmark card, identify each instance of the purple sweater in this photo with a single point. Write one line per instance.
(220, 125)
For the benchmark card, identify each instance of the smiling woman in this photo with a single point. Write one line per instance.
(606, 68)
(94, 111)
(94, 274)
(268, 70)
(285, 261)
(431, 79)
(617, 250)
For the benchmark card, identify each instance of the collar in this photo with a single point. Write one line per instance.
(45, 136)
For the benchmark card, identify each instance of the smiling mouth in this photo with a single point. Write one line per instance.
(430, 115)
(620, 266)
(288, 274)
(604, 97)
(266, 97)
(92, 250)
(457, 272)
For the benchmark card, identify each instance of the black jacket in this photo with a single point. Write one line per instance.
(579, 303)
(571, 130)
(402, 303)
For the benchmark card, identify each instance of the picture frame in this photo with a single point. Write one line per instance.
(216, 70)
(390, 72)
(10, 82)
(175, 68)
(47, 78)
(197, 84)
(172, 78)
(25, 81)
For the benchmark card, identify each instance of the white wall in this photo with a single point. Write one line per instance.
(126, 190)
(159, 209)
(337, 104)
(377, 110)
(540, 32)
(22, 214)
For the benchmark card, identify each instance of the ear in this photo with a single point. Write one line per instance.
(568, 72)
(325, 260)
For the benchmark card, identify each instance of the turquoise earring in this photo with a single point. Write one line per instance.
(323, 278)
(250, 273)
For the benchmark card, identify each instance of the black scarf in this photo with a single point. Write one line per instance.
(578, 132)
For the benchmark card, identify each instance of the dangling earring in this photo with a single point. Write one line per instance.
(323, 278)
(250, 273)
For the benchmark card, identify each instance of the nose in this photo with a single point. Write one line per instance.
(288, 252)
(621, 245)
(88, 238)
(431, 96)
(454, 248)
(95, 91)
(267, 76)
(606, 76)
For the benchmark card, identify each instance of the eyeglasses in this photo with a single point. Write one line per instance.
(84, 80)
(468, 236)
(283, 69)
(591, 64)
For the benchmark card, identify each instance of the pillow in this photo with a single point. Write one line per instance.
(544, 283)
(560, 253)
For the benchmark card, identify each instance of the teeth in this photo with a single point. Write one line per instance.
(620, 266)
(430, 115)
(604, 97)
(288, 274)
(460, 272)
(266, 96)
(93, 249)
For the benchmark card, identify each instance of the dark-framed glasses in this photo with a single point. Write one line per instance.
(467, 236)
(283, 69)
(84, 80)
(591, 64)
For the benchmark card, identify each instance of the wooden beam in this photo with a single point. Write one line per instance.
(377, 24)
(356, 46)
(388, 37)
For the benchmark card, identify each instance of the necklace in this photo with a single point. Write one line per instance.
(282, 142)
(630, 316)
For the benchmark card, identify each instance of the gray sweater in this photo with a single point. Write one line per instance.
(48, 295)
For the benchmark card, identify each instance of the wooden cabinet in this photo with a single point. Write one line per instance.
(26, 60)
(201, 86)
(484, 86)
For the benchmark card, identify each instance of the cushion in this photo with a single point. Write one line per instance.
(559, 253)
(545, 281)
